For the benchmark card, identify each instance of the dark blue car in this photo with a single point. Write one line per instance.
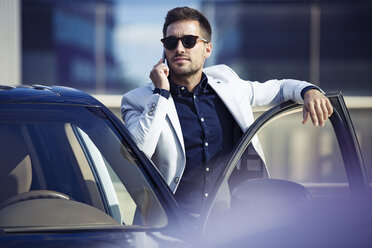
(71, 176)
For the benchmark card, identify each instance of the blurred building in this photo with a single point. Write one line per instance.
(325, 42)
(70, 43)
(328, 43)
(10, 42)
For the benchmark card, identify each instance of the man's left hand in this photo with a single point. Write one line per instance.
(317, 105)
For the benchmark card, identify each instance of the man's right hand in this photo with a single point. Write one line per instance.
(159, 75)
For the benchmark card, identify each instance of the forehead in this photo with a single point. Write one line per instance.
(182, 28)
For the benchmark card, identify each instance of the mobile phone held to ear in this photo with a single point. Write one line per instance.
(164, 59)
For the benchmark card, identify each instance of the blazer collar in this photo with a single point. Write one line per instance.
(234, 100)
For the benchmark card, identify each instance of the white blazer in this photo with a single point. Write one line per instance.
(153, 120)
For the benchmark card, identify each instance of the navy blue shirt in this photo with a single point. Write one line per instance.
(208, 133)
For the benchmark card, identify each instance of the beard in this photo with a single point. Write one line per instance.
(186, 70)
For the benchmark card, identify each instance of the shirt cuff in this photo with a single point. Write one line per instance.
(162, 92)
(304, 90)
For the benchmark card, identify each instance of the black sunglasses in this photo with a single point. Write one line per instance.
(188, 41)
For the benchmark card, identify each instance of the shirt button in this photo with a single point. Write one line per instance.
(182, 88)
(153, 104)
(176, 179)
(206, 194)
(194, 96)
(206, 143)
(207, 169)
(202, 119)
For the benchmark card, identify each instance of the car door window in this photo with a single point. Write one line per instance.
(313, 171)
(304, 154)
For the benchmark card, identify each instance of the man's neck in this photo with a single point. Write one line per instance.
(190, 81)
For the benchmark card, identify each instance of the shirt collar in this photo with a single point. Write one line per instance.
(202, 88)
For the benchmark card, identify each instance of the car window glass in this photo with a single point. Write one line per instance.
(304, 154)
(302, 160)
(111, 147)
(126, 202)
(120, 202)
(78, 152)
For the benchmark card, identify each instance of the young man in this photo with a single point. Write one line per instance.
(189, 118)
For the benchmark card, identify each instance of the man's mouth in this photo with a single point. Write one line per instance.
(180, 59)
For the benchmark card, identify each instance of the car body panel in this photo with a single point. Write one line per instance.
(115, 237)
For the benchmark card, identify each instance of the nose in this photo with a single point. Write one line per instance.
(180, 48)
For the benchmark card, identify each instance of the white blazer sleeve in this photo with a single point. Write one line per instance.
(276, 91)
(144, 115)
(262, 94)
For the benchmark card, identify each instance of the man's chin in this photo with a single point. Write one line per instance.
(182, 71)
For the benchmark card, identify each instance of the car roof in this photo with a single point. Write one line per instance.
(45, 94)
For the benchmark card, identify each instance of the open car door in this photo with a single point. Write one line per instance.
(317, 193)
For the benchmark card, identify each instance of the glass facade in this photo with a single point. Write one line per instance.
(70, 43)
(110, 46)
(325, 42)
(346, 47)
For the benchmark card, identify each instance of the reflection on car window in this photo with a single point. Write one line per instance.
(121, 204)
(78, 152)
(305, 154)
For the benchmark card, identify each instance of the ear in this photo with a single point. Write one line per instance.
(208, 50)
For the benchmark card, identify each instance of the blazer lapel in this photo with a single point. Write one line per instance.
(236, 102)
(175, 122)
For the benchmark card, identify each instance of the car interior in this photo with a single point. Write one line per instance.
(23, 203)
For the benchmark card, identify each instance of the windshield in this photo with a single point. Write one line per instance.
(74, 151)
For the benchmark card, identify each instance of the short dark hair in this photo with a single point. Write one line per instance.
(186, 13)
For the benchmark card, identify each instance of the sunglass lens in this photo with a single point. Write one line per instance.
(170, 43)
(189, 41)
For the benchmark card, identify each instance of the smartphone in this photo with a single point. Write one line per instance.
(164, 59)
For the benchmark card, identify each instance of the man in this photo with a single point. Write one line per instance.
(189, 118)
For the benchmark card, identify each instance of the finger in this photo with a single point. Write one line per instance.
(313, 114)
(158, 63)
(157, 71)
(324, 110)
(319, 112)
(166, 71)
(305, 115)
(329, 107)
